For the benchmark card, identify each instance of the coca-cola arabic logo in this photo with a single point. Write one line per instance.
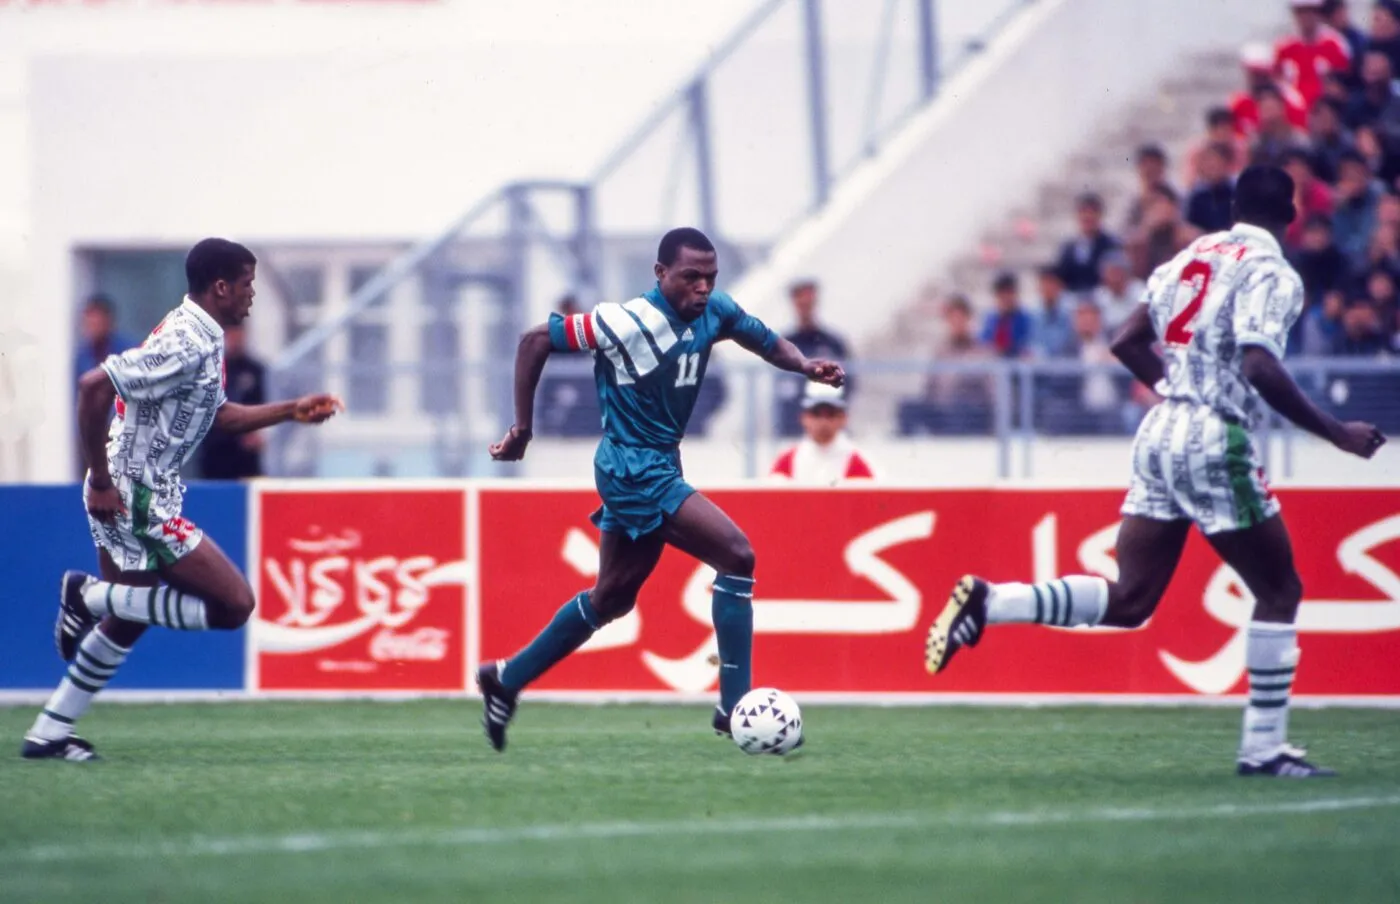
(1229, 601)
(321, 578)
(896, 613)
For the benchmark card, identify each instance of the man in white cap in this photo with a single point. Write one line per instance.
(826, 455)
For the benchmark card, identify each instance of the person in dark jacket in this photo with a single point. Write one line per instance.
(234, 456)
(1208, 205)
(1080, 256)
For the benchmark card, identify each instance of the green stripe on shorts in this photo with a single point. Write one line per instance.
(1249, 508)
(141, 526)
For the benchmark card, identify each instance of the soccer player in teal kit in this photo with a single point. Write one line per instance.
(650, 356)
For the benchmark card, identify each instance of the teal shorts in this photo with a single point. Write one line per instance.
(639, 487)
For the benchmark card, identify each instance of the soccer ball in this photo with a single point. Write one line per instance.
(766, 720)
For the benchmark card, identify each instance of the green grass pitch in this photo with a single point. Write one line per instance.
(365, 802)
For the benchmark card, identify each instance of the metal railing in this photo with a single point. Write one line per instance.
(748, 406)
(751, 143)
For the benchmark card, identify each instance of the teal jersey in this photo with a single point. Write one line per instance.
(648, 362)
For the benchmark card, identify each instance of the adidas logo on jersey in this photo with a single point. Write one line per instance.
(688, 335)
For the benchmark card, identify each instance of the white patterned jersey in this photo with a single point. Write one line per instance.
(168, 391)
(1226, 291)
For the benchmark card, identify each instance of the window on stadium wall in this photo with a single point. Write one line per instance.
(368, 379)
(439, 387)
(143, 285)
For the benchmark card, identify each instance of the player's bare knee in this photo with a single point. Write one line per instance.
(232, 613)
(739, 559)
(1280, 603)
(611, 605)
(1130, 606)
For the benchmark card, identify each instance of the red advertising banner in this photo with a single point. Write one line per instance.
(849, 580)
(359, 589)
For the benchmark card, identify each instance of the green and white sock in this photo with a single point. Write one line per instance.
(1075, 600)
(1271, 656)
(163, 605)
(97, 661)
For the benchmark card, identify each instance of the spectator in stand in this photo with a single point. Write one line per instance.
(1311, 196)
(826, 455)
(1318, 260)
(959, 345)
(236, 456)
(1328, 137)
(1208, 207)
(1080, 256)
(1384, 250)
(1322, 324)
(1098, 394)
(1052, 331)
(1337, 87)
(1275, 135)
(1119, 293)
(1385, 31)
(1257, 61)
(98, 336)
(1316, 49)
(1220, 129)
(1377, 101)
(1358, 198)
(1381, 292)
(1336, 15)
(1386, 167)
(1007, 330)
(1163, 233)
(1361, 334)
(814, 341)
(1151, 172)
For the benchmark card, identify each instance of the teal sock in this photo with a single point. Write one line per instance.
(732, 613)
(573, 624)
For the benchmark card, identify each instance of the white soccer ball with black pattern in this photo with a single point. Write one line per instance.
(766, 720)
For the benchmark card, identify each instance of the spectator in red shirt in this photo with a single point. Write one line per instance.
(826, 455)
(1311, 196)
(1258, 63)
(1303, 59)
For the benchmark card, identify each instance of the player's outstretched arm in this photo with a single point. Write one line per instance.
(1266, 374)
(530, 357)
(786, 356)
(96, 393)
(1134, 347)
(311, 409)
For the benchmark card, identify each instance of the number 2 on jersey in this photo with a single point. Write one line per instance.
(1179, 331)
(690, 369)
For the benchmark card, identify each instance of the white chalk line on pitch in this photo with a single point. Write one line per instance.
(315, 842)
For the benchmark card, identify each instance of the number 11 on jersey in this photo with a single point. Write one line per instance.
(690, 369)
(1179, 331)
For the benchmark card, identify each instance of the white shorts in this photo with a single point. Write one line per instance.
(150, 533)
(1190, 462)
